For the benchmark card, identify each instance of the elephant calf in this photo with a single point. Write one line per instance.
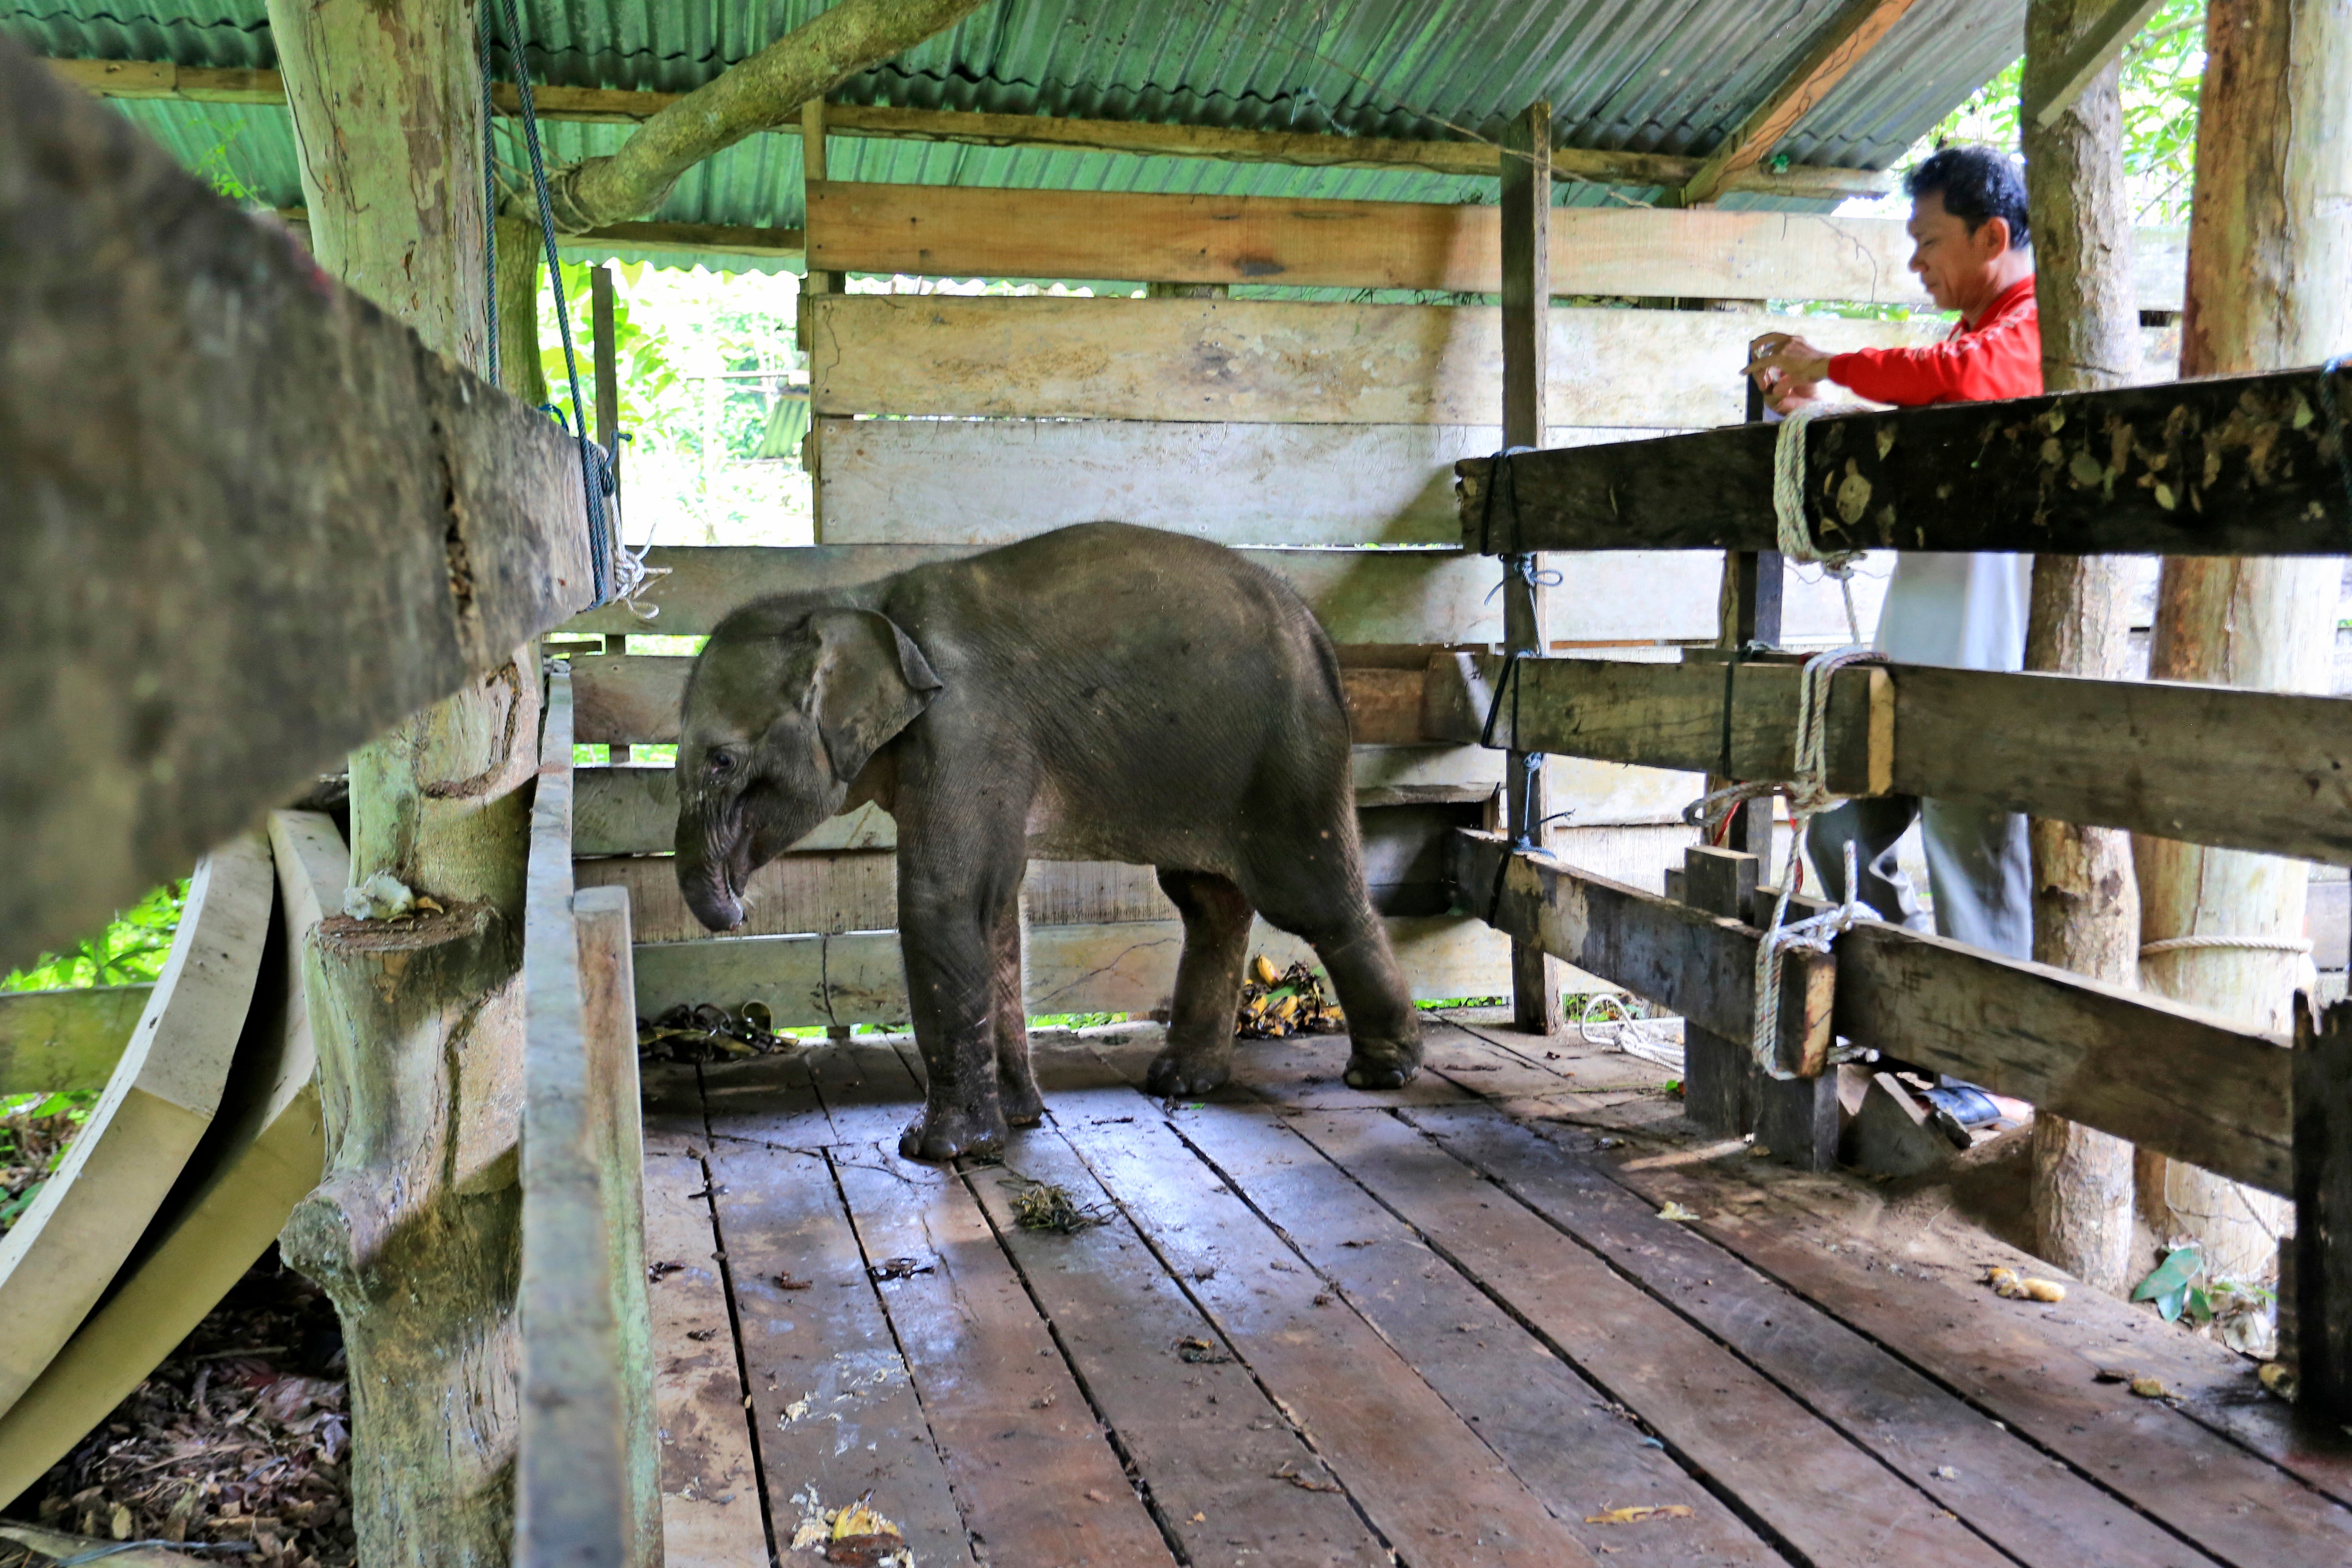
(1102, 692)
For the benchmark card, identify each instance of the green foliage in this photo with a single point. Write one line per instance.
(132, 948)
(214, 169)
(35, 1130)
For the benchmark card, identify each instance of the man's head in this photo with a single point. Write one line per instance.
(1968, 226)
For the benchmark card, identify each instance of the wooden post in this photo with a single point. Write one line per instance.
(1527, 313)
(2322, 1307)
(2270, 244)
(415, 1230)
(1750, 612)
(2085, 897)
(608, 423)
(1719, 1075)
(814, 283)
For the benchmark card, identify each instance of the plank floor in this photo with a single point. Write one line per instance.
(1447, 1325)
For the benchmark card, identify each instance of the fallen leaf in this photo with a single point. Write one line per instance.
(2150, 1388)
(786, 1282)
(1636, 1515)
(1289, 1471)
(1094, 1496)
(1200, 1352)
(1675, 1211)
(1946, 1473)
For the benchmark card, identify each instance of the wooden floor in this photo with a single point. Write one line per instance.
(1442, 1326)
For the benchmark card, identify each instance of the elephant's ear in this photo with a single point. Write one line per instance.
(871, 682)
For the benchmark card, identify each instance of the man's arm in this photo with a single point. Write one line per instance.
(2005, 361)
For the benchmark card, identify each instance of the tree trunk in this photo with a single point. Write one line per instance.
(2269, 245)
(415, 1230)
(2085, 901)
(521, 265)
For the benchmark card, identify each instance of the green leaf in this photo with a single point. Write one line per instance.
(52, 1105)
(2200, 1306)
(2175, 1273)
(20, 1202)
(2168, 1305)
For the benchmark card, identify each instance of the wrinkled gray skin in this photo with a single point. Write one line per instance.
(1103, 692)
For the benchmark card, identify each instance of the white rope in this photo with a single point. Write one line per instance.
(1651, 1039)
(1789, 509)
(2238, 943)
(1808, 796)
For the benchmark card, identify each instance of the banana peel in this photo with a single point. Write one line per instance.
(1276, 1003)
(2008, 1284)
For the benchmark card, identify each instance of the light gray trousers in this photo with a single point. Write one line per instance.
(1979, 869)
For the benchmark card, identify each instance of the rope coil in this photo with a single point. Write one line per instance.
(1796, 539)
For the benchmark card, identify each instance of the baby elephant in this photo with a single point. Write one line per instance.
(1103, 692)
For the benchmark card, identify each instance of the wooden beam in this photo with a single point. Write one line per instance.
(700, 238)
(956, 231)
(2208, 764)
(2323, 1212)
(2244, 464)
(119, 79)
(2101, 42)
(257, 521)
(1836, 49)
(2171, 1077)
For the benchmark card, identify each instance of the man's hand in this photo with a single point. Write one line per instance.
(1788, 369)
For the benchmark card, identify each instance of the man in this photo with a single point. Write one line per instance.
(1969, 248)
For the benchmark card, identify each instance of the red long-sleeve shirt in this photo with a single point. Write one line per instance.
(1999, 357)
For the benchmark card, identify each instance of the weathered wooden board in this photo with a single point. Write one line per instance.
(965, 482)
(1361, 596)
(2171, 1077)
(2242, 465)
(57, 1041)
(1123, 968)
(711, 1508)
(2007, 1490)
(1667, 715)
(830, 1396)
(946, 230)
(254, 519)
(63, 1251)
(1259, 361)
(195, 1251)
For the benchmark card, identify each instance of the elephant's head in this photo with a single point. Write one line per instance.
(786, 705)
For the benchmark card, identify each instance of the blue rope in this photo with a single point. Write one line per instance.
(595, 467)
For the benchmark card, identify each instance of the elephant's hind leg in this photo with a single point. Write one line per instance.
(1016, 1080)
(1324, 902)
(1198, 1055)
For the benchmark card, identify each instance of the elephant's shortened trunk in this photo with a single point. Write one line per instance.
(705, 878)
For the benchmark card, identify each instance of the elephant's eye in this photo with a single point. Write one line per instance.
(721, 763)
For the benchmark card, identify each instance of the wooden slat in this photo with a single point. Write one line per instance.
(831, 1399)
(62, 1254)
(2322, 1242)
(613, 106)
(2037, 1376)
(930, 482)
(1828, 56)
(1270, 362)
(54, 1040)
(2227, 466)
(709, 1486)
(576, 1499)
(701, 238)
(1418, 1471)
(2206, 764)
(2036, 1512)
(1123, 968)
(1034, 1475)
(1553, 1426)
(285, 522)
(2167, 1077)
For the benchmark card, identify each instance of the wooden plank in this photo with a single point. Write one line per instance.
(633, 810)
(57, 1040)
(929, 481)
(1270, 362)
(1549, 1424)
(2240, 465)
(1034, 1475)
(63, 1251)
(614, 106)
(2006, 1489)
(1831, 52)
(575, 1478)
(1418, 1471)
(287, 522)
(1126, 967)
(1207, 1444)
(830, 1398)
(2167, 1077)
(2323, 1213)
(711, 1508)
(2028, 1367)
(266, 1154)
(700, 238)
(844, 891)
(1796, 1471)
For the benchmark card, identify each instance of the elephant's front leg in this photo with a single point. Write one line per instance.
(949, 916)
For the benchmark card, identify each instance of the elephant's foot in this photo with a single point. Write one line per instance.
(1018, 1094)
(947, 1134)
(1176, 1072)
(1381, 1065)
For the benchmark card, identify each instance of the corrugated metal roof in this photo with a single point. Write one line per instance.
(1669, 76)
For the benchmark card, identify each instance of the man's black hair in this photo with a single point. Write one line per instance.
(1976, 184)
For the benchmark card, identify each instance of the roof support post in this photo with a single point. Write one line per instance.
(1527, 345)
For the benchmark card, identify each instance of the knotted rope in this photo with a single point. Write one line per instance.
(1789, 511)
